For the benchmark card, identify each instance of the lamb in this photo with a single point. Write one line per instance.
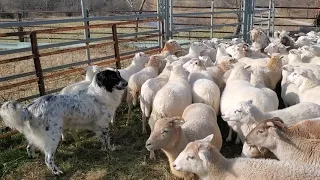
(202, 158)
(289, 91)
(91, 71)
(285, 144)
(153, 68)
(171, 46)
(307, 83)
(137, 64)
(178, 91)
(194, 52)
(238, 88)
(220, 73)
(173, 134)
(248, 115)
(222, 54)
(204, 90)
(273, 76)
(172, 98)
(211, 53)
(274, 48)
(258, 36)
(302, 41)
(148, 91)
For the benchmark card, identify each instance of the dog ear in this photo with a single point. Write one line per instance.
(102, 80)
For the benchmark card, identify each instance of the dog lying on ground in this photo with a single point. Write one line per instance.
(43, 120)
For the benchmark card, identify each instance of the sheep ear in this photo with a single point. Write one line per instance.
(207, 139)
(250, 101)
(247, 67)
(177, 122)
(204, 153)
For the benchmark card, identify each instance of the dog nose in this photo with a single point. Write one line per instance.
(125, 83)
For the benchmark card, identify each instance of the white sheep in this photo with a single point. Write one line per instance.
(148, 91)
(91, 71)
(220, 72)
(287, 146)
(302, 41)
(272, 74)
(247, 114)
(238, 88)
(210, 52)
(276, 47)
(306, 128)
(289, 91)
(172, 98)
(258, 36)
(194, 52)
(307, 83)
(202, 158)
(138, 62)
(173, 134)
(204, 90)
(153, 68)
(222, 54)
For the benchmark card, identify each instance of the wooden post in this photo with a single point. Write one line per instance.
(20, 28)
(116, 46)
(37, 64)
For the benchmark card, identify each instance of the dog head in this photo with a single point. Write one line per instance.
(110, 79)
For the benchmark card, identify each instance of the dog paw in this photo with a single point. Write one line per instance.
(57, 172)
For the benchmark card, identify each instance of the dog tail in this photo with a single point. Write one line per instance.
(14, 114)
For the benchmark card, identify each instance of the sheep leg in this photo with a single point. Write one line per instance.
(229, 138)
(144, 120)
(129, 113)
(238, 140)
(152, 155)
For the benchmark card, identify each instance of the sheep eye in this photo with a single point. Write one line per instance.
(259, 131)
(164, 131)
(190, 157)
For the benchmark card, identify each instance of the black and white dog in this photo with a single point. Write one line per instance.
(43, 120)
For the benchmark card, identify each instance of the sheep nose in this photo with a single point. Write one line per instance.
(174, 165)
(148, 144)
(223, 115)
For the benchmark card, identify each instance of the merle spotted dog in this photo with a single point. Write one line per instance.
(43, 120)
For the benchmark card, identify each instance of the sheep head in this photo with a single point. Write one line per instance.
(266, 133)
(140, 58)
(299, 75)
(171, 46)
(302, 41)
(197, 157)
(240, 112)
(194, 65)
(197, 47)
(165, 134)
(256, 152)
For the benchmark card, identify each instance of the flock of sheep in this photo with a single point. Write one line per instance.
(182, 93)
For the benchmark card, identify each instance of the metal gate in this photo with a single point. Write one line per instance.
(250, 16)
